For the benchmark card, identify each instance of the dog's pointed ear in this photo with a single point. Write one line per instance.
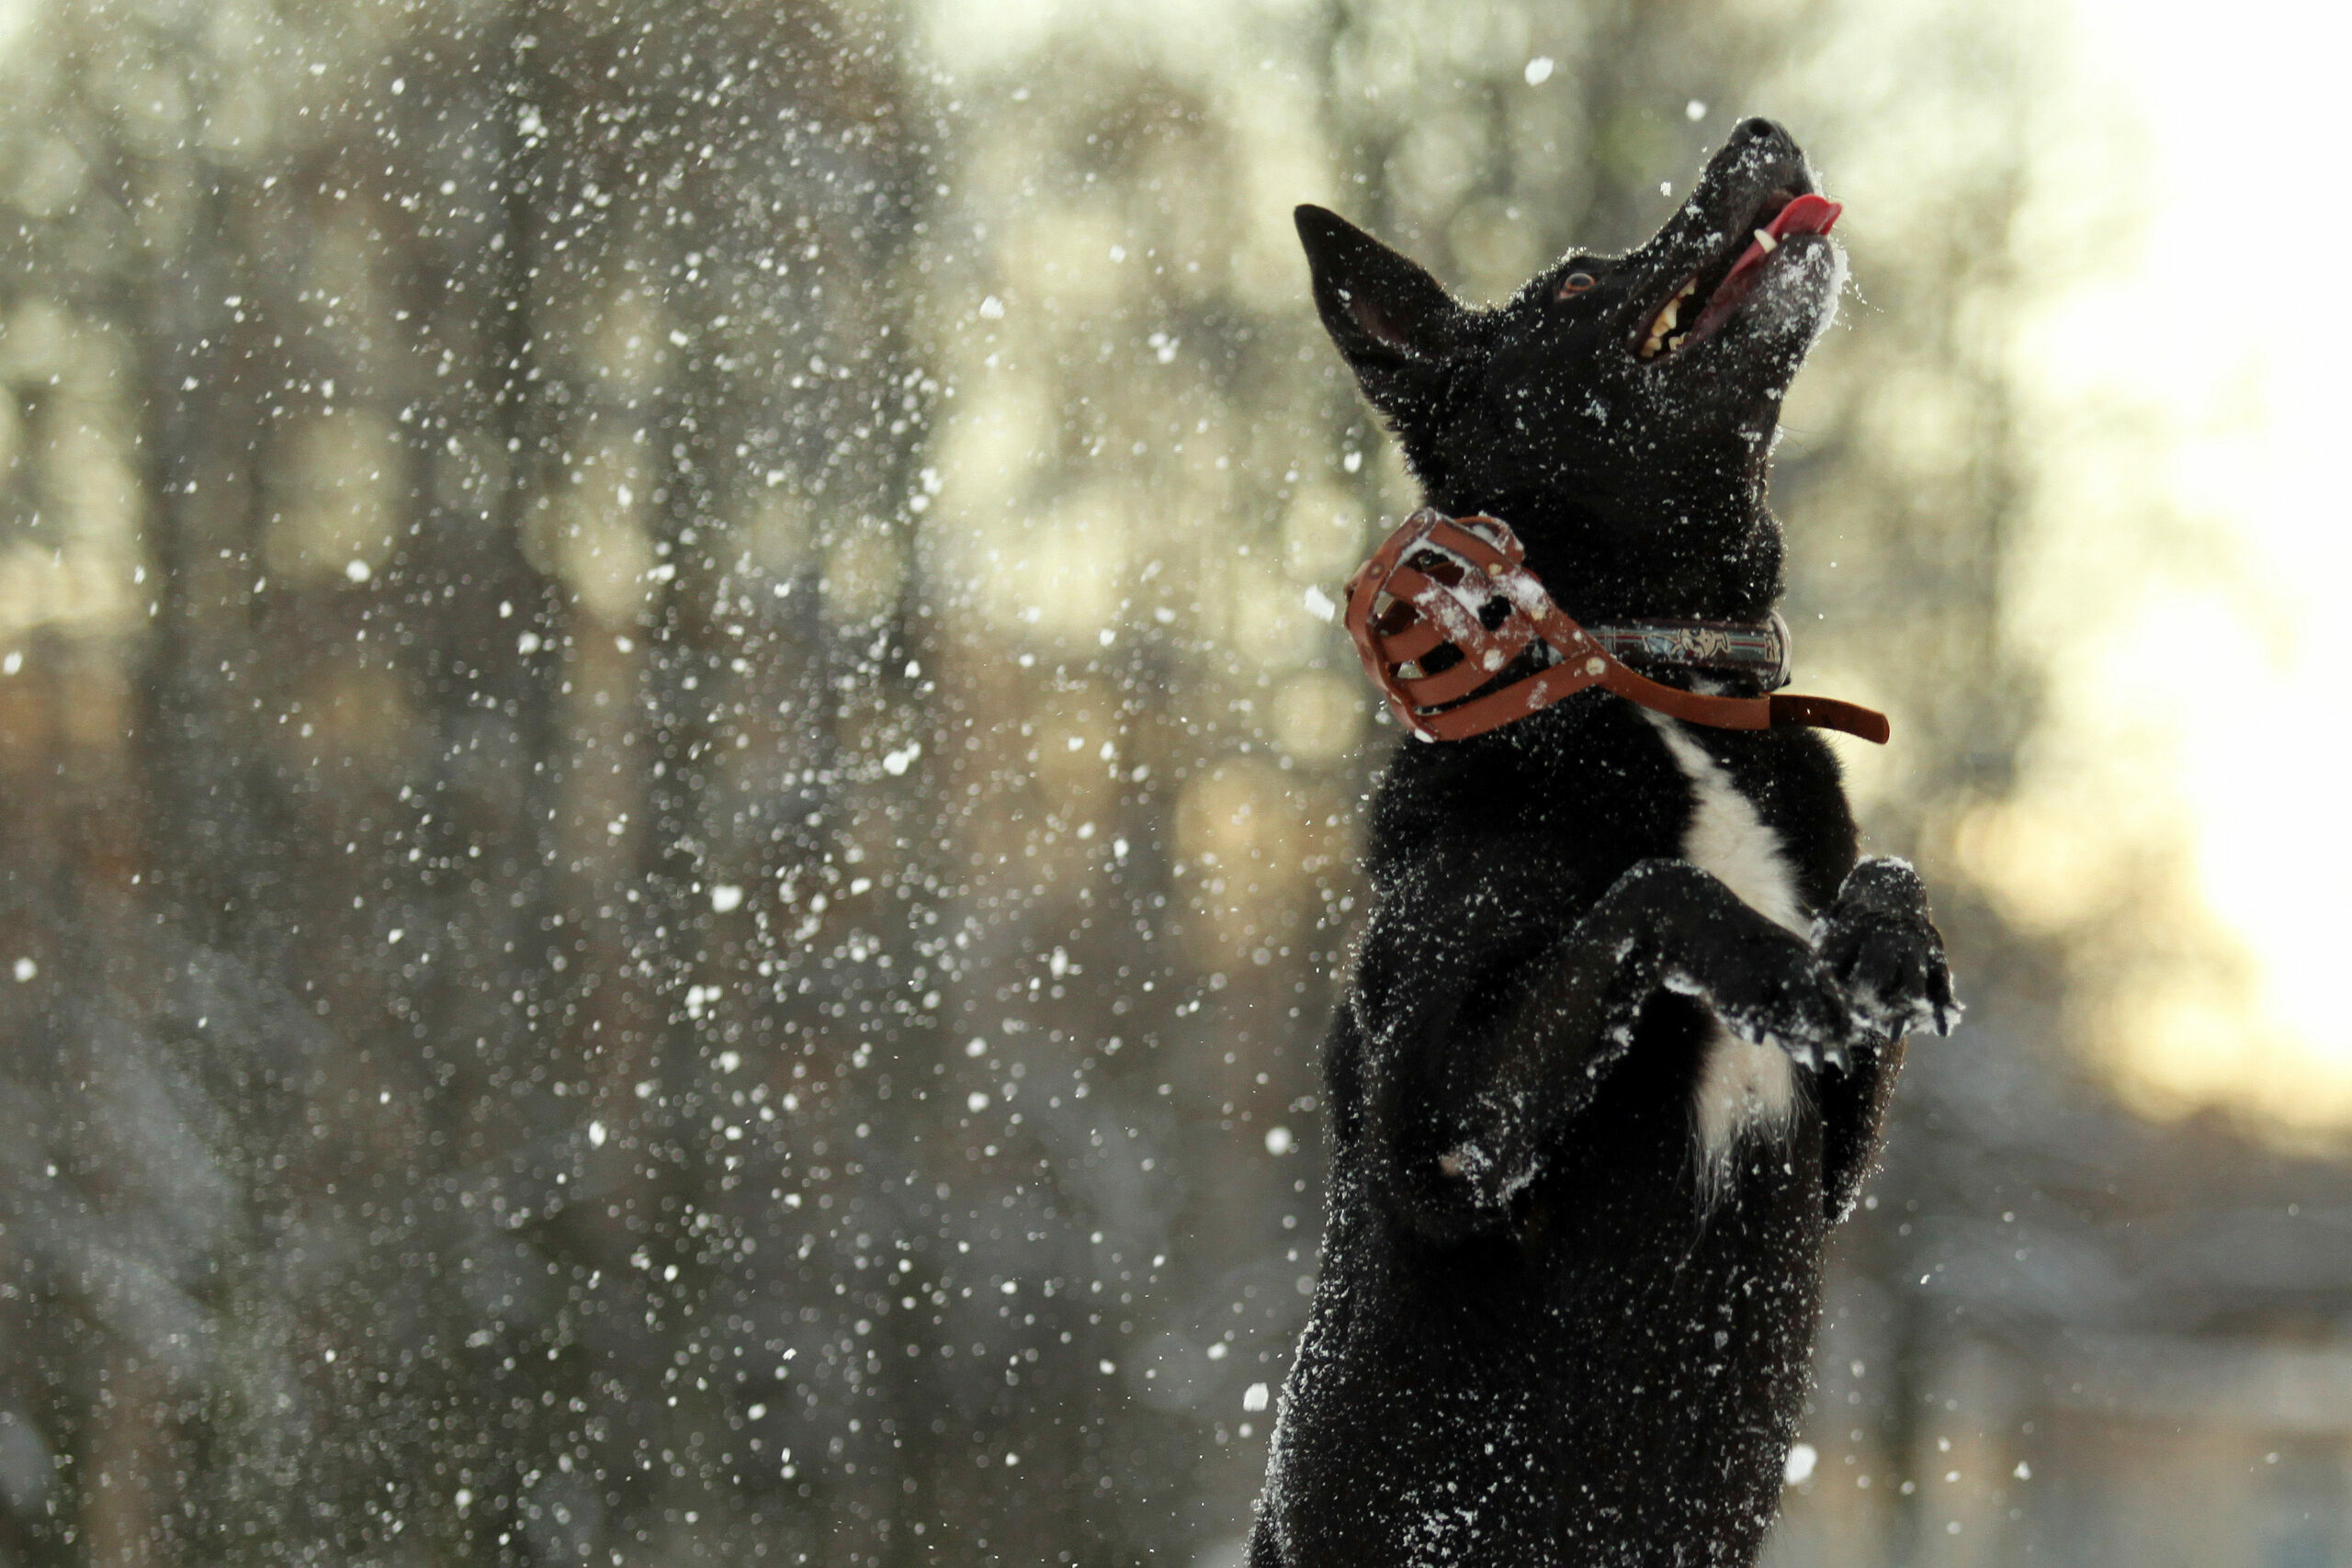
(1394, 324)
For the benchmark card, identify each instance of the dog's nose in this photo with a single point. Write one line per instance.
(1762, 130)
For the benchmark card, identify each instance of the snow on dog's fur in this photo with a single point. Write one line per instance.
(1619, 1033)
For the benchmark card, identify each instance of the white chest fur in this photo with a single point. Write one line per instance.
(1742, 1089)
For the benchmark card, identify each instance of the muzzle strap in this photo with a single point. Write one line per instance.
(1440, 582)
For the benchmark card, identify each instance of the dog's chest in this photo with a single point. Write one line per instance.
(1742, 1090)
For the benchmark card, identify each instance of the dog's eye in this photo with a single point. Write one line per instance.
(1576, 283)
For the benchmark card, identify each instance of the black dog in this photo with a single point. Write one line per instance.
(1621, 1027)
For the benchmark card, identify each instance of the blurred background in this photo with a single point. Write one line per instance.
(678, 811)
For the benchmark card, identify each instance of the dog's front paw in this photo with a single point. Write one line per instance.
(1883, 949)
(1787, 1000)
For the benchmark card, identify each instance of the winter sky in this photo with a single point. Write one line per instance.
(2224, 677)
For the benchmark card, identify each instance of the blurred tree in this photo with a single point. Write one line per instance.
(468, 428)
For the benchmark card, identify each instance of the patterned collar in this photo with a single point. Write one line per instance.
(1757, 648)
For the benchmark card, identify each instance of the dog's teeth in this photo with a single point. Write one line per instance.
(1658, 340)
(1765, 239)
(1665, 320)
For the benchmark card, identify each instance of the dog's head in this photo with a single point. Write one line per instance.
(1616, 411)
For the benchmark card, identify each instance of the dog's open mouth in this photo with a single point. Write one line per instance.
(1711, 295)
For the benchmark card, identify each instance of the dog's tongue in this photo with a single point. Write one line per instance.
(1806, 215)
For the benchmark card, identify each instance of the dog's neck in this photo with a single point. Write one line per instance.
(1711, 557)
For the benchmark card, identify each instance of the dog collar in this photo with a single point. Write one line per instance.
(1441, 584)
(1751, 647)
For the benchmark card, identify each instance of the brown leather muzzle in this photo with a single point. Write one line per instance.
(1462, 583)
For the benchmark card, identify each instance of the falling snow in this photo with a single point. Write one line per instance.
(682, 785)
